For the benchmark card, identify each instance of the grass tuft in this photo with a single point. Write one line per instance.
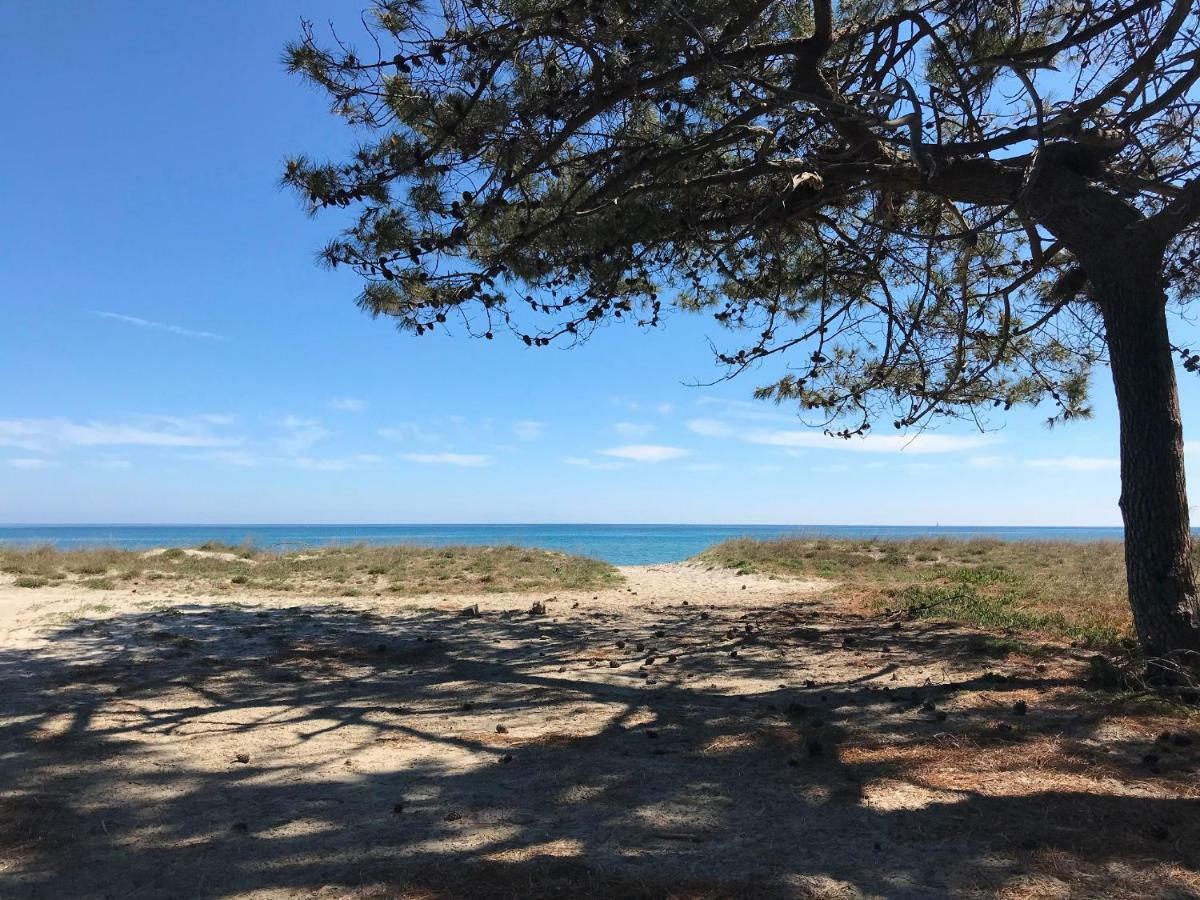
(1061, 589)
(348, 570)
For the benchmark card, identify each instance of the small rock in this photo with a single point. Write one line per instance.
(243, 757)
(500, 729)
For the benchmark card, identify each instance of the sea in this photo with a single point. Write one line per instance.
(617, 544)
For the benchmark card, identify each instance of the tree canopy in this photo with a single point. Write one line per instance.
(860, 193)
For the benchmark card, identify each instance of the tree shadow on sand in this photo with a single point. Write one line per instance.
(321, 751)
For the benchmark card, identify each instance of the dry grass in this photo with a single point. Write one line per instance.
(1064, 589)
(347, 571)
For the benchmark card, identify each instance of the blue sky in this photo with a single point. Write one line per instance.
(172, 354)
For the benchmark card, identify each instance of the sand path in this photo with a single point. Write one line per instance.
(691, 733)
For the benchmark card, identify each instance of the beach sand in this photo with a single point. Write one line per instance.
(689, 733)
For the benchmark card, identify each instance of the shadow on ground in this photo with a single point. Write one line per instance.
(319, 751)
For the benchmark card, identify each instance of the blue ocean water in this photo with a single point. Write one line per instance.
(618, 544)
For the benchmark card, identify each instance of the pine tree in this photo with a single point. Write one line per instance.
(927, 209)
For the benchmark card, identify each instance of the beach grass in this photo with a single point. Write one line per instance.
(1063, 589)
(343, 571)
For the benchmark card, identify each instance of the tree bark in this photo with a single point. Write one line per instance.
(1123, 260)
(1154, 504)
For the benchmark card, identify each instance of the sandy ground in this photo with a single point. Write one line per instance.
(690, 734)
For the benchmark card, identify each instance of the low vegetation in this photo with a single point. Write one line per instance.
(1063, 589)
(342, 571)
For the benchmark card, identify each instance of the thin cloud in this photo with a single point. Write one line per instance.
(645, 452)
(231, 458)
(921, 443)
(633, 429)
(146, 431)
(528, 429)
(585, 463)
(299, 434)
(989, 462)
(1076, 463)
(30, 463)
(336, 464)
(449, 459)
(406, 431)
(348, 404)
(159, 326)
(111, 464)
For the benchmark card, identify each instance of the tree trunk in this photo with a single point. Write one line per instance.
(1154, 504)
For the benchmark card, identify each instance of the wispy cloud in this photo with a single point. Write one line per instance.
(337, 464)
(147, 431)
(231, 457)
(990, 462)
(407, 431)
(299, 434)
(528, 429)
(348, 404)
(1076, 463)
(449, 459)
(812, 438)
(645, 452)
(30, 463)
(583, 462)
(159, 326)
(744, 409)
(833, 468)
(110, 464)
(633, 429)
